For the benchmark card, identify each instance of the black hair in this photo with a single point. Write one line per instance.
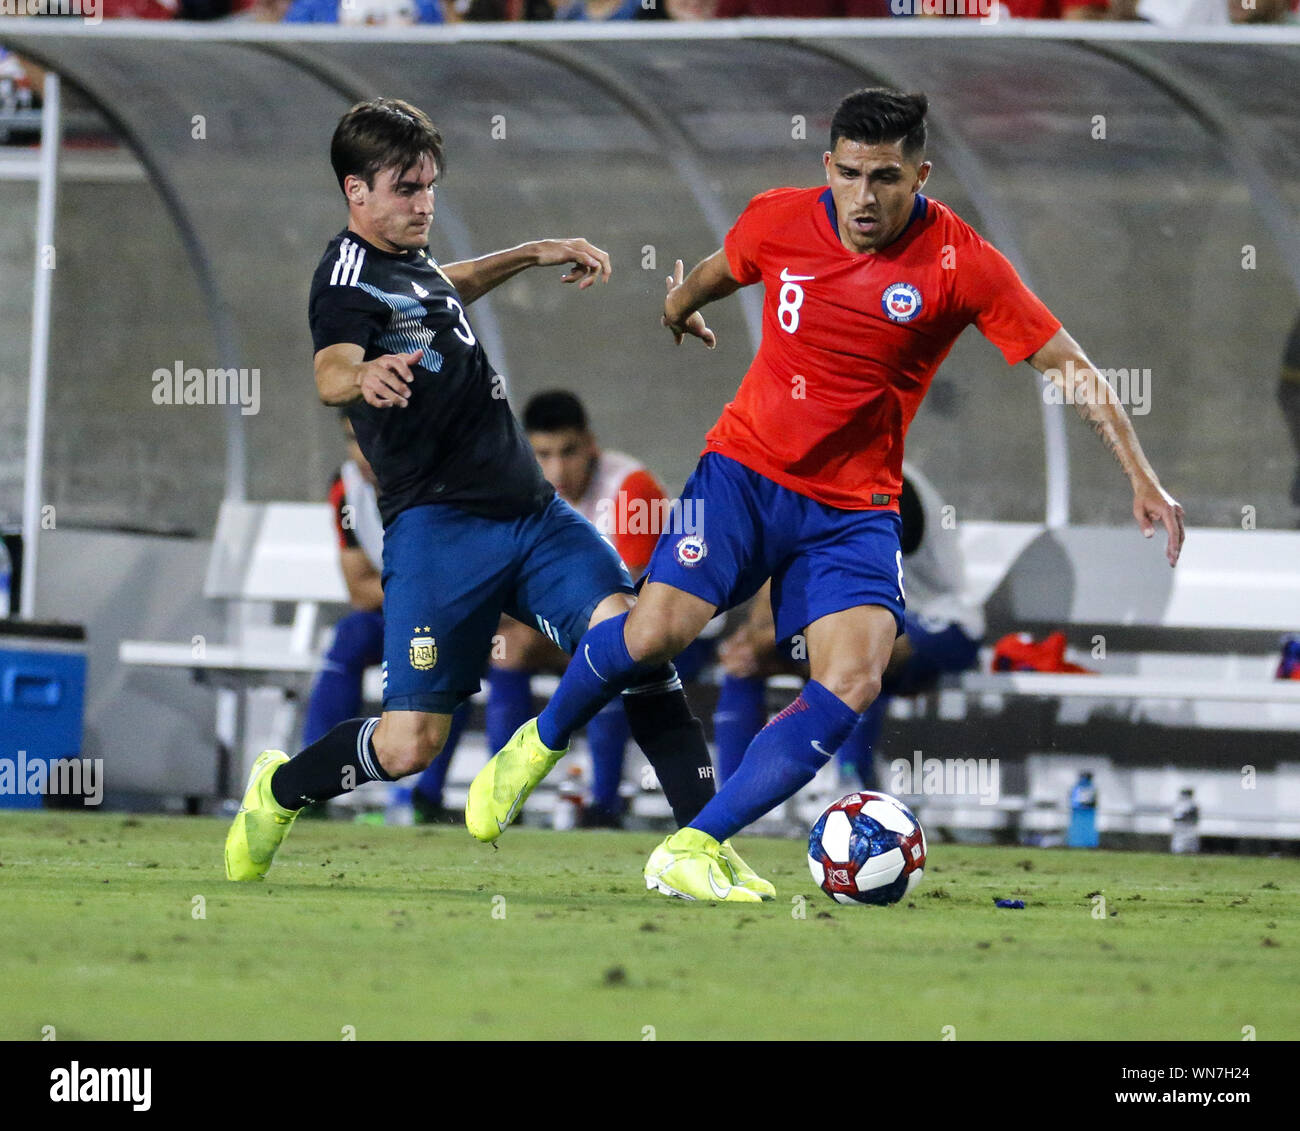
(555, 410)
(384, 133)
(876, 115)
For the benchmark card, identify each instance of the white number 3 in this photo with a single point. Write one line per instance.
(463, 332)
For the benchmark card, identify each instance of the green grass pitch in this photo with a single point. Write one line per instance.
(118, 928)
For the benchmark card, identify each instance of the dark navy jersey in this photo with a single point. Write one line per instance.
(457, 441)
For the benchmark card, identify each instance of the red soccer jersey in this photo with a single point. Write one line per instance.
(851, 341)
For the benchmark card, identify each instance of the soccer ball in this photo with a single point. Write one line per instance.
(866, 848)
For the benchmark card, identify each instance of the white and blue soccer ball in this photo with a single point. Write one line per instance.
(867, 848)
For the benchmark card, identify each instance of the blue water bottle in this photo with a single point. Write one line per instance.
(1083, 813)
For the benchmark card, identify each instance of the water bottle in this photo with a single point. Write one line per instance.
(6, 578)
(400, 809)
(568, 800)
(1186, 836)
(1083, 813)
(1288, 666)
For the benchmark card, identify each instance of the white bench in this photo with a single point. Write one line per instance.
(1192, 649)
(263, 555)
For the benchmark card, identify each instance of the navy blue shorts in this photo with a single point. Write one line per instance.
(732, 529)
(449, 575)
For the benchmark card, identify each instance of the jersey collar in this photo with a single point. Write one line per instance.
(828, 202)
(409, 256)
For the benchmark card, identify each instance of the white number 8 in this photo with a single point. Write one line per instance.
(791, 301)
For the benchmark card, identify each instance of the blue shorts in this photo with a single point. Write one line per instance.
(449, 575)
(732, 529)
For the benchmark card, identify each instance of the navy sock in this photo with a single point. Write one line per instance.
(607, 736)
(736, 719)
(673, 741)
(336, 694)
(784, 757)
(429, 784)
(509, 705)
(329, 767)
(601, 667)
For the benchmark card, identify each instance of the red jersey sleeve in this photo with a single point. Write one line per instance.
(746, 235)
(338, 499)
(1004, 310)
(635, 533)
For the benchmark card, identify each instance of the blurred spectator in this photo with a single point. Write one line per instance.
(1214, 13)
(806, 9)
(365, 13)
(1260, 11)
(597, 9)
(495, 11)
(685, 9)
(1067, 9)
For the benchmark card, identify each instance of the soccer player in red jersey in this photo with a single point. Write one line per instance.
(867, 285)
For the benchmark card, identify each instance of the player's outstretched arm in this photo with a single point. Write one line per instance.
(709, 279)
(473, 278)
(1063, 361)
(342, 376)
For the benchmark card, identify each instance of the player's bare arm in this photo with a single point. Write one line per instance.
(365, 587)
(342, 376)
(473, 278)
(709, 280)
(1063, 361)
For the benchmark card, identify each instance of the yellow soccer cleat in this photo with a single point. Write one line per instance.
(745, 875)
(688, 865)
(261, 823)
(502, 786)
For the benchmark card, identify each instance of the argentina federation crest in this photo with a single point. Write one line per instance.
(901, 302)
(424, 651)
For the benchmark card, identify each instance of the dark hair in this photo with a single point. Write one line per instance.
(555, 410)
(383, 133)
(876, 115)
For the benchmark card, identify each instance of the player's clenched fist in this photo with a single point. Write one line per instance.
(386, 381)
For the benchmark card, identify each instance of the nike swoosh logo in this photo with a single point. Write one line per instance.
(818, 747)
(510, 816)
(714, 885)
(786, 277)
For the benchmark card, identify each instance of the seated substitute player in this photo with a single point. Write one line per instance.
(942, 634)
(471, 527)
(867, 285)
(626, 504)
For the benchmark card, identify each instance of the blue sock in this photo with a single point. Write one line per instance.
(736, 719)
(780, 761)
(429, 784)
(607, 736)
(509, 705)
(856, 750)
(601, 667)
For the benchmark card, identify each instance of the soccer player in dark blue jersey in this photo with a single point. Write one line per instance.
(471, 527)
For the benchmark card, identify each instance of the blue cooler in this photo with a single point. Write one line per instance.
(42, 696)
